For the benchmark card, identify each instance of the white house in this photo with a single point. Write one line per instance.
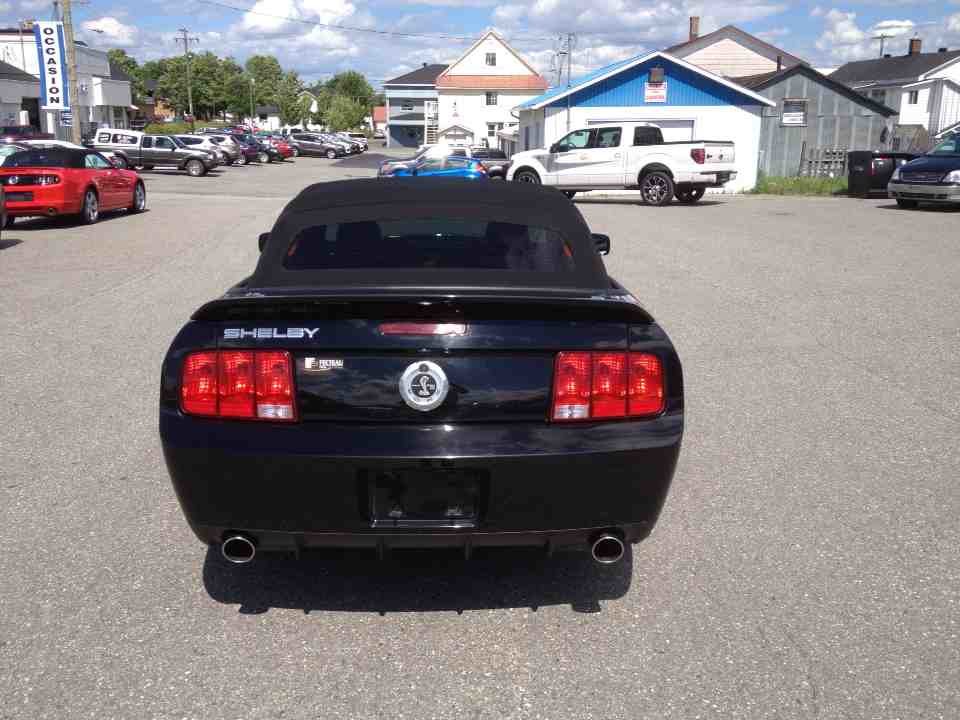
(685, 101)
(104, 92)
(479, 91)
(411, 110)
(19, 93)
(924, 87)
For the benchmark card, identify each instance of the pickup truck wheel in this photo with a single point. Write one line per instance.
(688, 196)
(90, 212)
(195, 168)
(331, 154)
(527, 176)
(656, 188)
(570, 193)
(907, 204)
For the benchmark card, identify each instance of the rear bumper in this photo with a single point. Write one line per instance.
(708, 179)
(924, 193)
(45, 202)
(309, 485)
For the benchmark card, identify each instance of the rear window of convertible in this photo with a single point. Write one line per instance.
(429, 243)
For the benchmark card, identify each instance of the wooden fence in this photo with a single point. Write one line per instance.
(823, 162)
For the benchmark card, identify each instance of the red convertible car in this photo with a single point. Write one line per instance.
(54, 180)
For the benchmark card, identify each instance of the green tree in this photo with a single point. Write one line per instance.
(267, 74)
(130, 66)
(345, 113)
(234, 89)
(288, 99)
(353, 85)
(172, 82)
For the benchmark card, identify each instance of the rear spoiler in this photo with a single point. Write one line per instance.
(613, 307)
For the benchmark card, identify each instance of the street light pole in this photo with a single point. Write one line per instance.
(252, 83)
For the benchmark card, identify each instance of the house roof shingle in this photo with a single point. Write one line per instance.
(117, 73)
(11, 72)
(492, 82)
(426, 75)
(765, 80)
(901, 67)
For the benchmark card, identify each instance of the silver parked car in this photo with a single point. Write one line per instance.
(202, 142)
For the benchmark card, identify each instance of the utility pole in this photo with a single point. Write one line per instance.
(882, 38)
(186, 40)
(71, 71)
(253, 82)
(571, 40)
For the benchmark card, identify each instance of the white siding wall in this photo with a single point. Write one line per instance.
(738, 124)
(728, 57)
(949, 106)
(951, 72)
(473, 112)
(475, 62)
(918, 114)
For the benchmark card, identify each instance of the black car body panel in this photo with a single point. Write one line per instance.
(326, 478)
(925, 179)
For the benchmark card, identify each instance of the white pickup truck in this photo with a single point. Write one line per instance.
(631, 156)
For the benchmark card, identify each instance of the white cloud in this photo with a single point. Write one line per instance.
(953, 23)
(110, 32)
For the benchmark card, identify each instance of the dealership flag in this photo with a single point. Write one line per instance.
(54, 86)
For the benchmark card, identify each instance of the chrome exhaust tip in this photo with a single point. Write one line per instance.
(238, 549)
(607, 549)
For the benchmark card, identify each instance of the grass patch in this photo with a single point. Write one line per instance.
(801, 186)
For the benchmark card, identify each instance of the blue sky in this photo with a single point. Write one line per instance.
(607, 30)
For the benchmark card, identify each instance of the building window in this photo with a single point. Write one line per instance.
(492, 129)
(406, 106)
(491, 59)
(794, 113)
(913, 97)
(491, 98)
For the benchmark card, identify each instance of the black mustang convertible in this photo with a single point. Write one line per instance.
(423, 363)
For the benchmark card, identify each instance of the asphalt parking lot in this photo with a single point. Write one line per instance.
(805, 565)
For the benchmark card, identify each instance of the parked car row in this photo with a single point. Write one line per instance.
(199, 153)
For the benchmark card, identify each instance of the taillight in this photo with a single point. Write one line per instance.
(699, 155)
(605, 385)
(422, 328)
(255, 385)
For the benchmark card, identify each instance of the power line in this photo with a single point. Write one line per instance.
(352, 28)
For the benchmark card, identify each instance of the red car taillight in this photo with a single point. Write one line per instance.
(605, 385)
(699, 155)
(255, 385)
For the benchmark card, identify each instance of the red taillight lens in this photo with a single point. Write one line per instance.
(646, 385)
(699, 155)
(609, 397)
(422, 328)
(597, 386)
(238, 384)
(274, 386)
(571, 386)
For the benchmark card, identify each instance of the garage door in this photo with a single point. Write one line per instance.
(674, 130)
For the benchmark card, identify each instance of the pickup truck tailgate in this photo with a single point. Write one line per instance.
(719, 152)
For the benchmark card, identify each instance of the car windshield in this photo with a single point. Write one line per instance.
(442, 243)
(950, 146)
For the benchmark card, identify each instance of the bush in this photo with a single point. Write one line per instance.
(167, 128)
(800, 186)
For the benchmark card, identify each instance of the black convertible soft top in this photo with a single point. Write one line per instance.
(397, 199)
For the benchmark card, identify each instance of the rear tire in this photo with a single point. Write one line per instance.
(527, 176)
(688, 196)
(195, 168)
(656, 188)
(263, 158)
(331, 154)
(90, 210)
(907, 204)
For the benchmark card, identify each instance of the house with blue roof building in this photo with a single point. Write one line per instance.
(685, 101)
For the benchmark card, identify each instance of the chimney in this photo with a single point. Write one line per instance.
(424, 64)
(694, 27)
(915, 44)
(779, 63)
